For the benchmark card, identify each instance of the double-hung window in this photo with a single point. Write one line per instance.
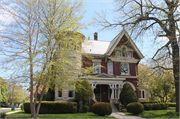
(142, 93)
(110, 68)
(60, 93)
(96, 67)
(124, 68)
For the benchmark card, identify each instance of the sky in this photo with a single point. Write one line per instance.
(147, 48)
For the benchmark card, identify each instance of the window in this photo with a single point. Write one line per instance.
(60, 93)
(129, 54)
(118, 53)
(71, 94)
(97, 68)
(124, 52)
(142, 93)
(125, 68)
(110, 68)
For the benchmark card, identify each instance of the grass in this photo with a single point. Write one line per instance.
(169, 113)
(22, 114)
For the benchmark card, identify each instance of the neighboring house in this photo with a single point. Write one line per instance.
(115, 63)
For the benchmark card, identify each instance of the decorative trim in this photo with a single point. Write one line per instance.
(97, 60)
(124, 59)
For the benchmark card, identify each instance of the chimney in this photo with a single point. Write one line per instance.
(95, 36)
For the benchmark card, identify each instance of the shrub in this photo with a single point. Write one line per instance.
(155, 106)
(145, 102)
(171, 104)
(127, 95)
(53, 107)
(85, 108)
(102, 108)
(22, 107)
(2, 115)
(135, 108)
(83, 91)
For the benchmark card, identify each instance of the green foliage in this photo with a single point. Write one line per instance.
(53, 107)
(172, 113)
(145, 102)
(2, 115)
(127, 95)
(83, 91)
(49, 96)
(3, 90)
(102, 108)
(155, 106)
(22, 107)
(135, 108)
(171, 104)
(85, 108)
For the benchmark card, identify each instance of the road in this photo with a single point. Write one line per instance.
(7, 109)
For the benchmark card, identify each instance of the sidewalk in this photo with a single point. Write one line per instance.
(120, 115)
(13, 112)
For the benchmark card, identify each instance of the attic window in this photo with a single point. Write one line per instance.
(129, 54)
(118, 53)
(124, 52)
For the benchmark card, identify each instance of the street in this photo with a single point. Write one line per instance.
(7, 109)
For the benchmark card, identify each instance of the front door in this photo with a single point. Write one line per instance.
(104, 93)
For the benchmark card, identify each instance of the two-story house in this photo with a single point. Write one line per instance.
(115, 63)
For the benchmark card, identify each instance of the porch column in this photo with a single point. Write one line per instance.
(112, 88)
(93, 86)
(115, 87)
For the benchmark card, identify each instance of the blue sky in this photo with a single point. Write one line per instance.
(147, 46)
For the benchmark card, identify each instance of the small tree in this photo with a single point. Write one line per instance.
(127, 95)
(84, 91)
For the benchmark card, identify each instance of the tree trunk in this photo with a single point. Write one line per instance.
(12, 97)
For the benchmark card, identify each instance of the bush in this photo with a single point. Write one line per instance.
(22, 107)
(53, 107)
(171, 104)
(102, 108)
(85, 108)
(145, 102)
(2, 115)
(155, 106)
(83, 91)
(127, 95)
(135, 108)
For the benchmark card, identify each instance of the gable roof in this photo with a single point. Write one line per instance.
(106, 48)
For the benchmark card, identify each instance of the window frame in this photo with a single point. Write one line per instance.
(141, 94)
(109, 68)
(61, 93)
(128, 69)
(99, 66)
(73, 97)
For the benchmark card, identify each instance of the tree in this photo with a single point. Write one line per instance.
(159, 17)
(15, 94)
(32, 40)
(127, 95)
(84, 91)
(159, 83)
(3, 90)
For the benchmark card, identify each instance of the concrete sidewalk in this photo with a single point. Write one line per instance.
(13, 112)
(120, 115)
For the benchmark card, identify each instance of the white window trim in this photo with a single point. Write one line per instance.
(97, 60)
(142, 95)
(99, 67)
(108, 68)
(58, 94)
(128, 69)
(73, 94)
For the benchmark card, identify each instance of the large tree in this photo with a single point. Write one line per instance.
(3, 90)
(160, 17)
(31, 40)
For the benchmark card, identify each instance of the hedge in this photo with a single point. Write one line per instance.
(102, 108)
(147, 102)
(53, 107)
(155, 106)
(171, 104)
(135, 107)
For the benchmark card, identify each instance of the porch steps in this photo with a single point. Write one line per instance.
(114, 107)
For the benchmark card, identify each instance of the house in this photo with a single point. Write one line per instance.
(115, 63)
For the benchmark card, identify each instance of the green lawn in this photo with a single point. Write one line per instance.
(22, 114)
(158, 113)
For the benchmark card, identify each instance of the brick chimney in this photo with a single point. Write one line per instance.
(95, 36)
